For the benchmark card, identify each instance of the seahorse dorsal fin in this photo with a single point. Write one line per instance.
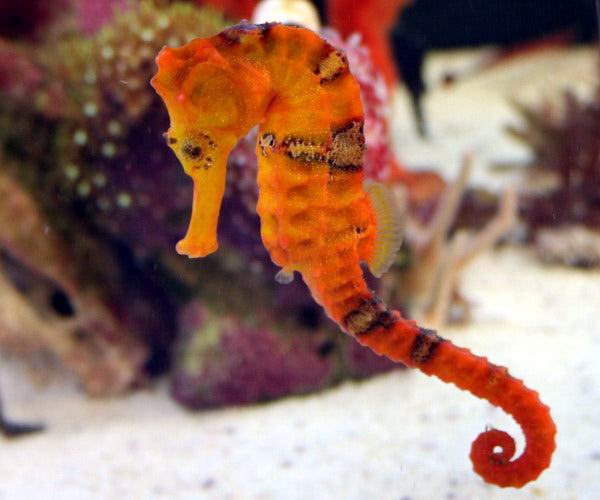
(388, 227)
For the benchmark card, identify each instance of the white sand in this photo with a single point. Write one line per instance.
(398, 436)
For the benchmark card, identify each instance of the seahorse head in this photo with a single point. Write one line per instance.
(210, 107)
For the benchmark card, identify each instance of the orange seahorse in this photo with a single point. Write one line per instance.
(316, 216)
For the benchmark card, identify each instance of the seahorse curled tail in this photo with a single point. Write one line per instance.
(401, 340)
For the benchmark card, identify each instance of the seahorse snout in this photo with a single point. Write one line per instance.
(194, 249)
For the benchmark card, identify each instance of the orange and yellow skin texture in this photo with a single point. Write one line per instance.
(315, 215)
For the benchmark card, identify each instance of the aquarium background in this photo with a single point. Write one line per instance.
(108, 338)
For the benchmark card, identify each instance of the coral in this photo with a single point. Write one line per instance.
(19, 76)
(565, 171)
(220, 362)
(91, 15)
(282, 317)
(560, 204)
(373, 20)
(98, 89)
(437, 257)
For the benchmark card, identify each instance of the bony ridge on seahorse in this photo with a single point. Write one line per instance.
(316, 216)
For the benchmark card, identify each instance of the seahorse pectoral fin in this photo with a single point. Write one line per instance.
(201, 237)
(388, 229)
(284, 276)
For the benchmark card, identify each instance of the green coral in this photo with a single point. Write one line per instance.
(107, 78)
(94, 92)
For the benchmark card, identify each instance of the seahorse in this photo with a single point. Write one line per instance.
(318, 218)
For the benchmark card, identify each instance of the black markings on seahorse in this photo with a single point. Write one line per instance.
(232, 37)
(369, 314)
(297, 148)
(348, 145)
(191, 150)
(304, 149)
(197, 148)
(266, 28)
(425, 345)
(266, 142)
(235, 35)
(332, 65)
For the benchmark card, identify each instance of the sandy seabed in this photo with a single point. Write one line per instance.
(398, 436)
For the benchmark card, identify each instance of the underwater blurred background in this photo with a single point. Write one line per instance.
(92, 201)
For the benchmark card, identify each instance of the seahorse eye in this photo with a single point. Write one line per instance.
(191, 150)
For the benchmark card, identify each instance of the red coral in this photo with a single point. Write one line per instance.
(19, 76)
(373, 19)
(236, 9)
(379, 160)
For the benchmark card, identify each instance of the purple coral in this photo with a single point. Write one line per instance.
(19, 76)
(564, 215)
(222, 362)
(91, 15)
(565, 143)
